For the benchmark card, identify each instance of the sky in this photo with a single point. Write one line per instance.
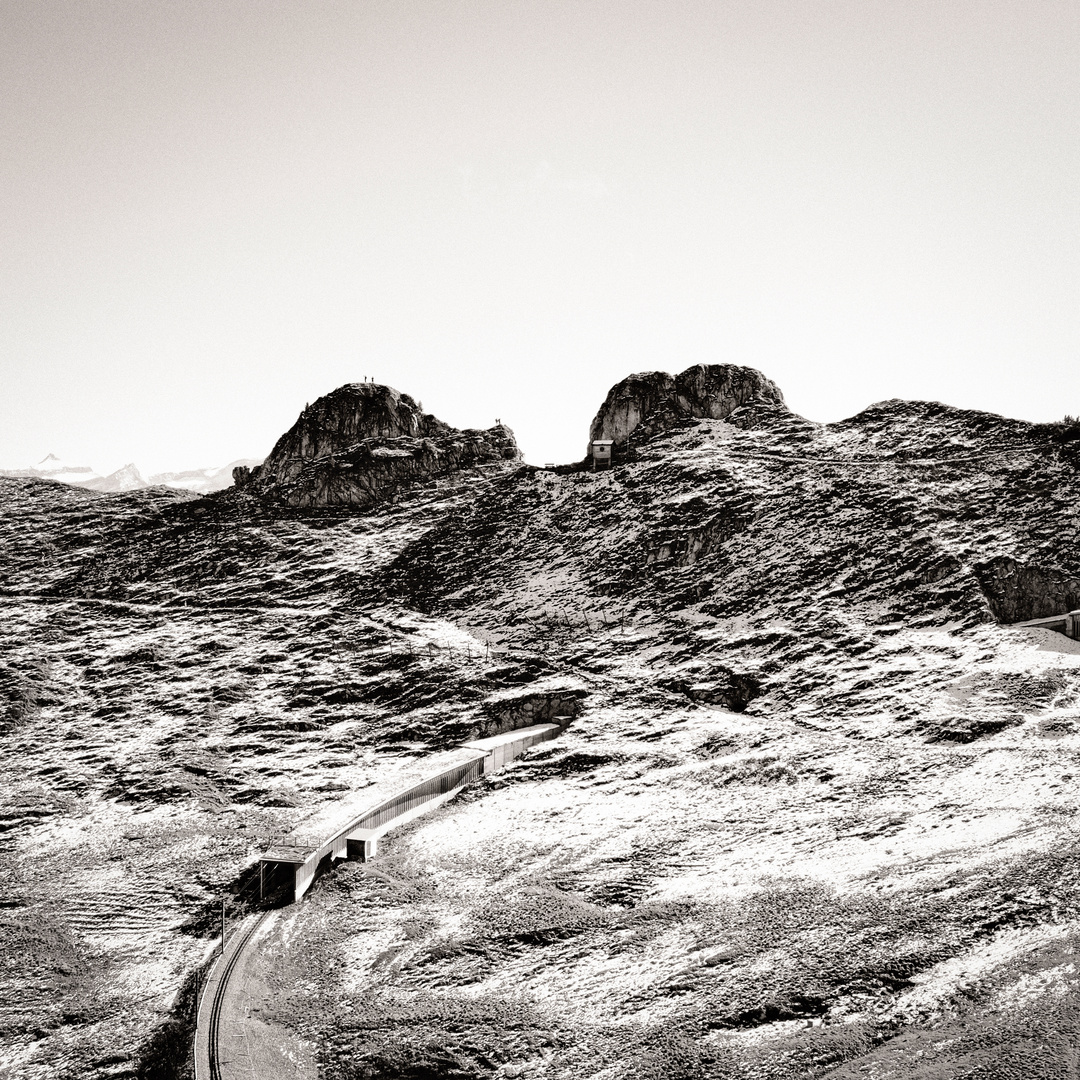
(212, 213)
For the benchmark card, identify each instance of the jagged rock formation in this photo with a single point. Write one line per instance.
(654, 400)
(362, 443)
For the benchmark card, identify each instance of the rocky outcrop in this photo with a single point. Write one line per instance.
(1016, 592)
(342, 419)
(360, 444)
(729, 689)
(654, 400)
(542, 704)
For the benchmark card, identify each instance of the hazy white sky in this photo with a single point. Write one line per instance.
(214, 212)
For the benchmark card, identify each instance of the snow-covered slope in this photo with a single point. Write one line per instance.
(129, 478)
(126, 478)
(815, 815)
(52, 468)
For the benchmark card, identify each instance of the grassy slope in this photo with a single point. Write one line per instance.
(870, 868)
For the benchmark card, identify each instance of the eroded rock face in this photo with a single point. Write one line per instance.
(541, 705)
(1017, 592)
(654, 400)
(361, 443)
(342, 419)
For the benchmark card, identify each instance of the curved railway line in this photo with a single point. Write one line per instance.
(209, 1065)
(304, 856)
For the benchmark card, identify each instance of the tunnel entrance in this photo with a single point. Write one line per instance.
(277, 883)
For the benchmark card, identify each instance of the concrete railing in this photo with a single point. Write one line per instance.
(344, 833)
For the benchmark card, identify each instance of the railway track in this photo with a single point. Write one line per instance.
(217, 1006)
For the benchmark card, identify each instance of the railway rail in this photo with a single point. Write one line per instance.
(208, 1032)
(361, 829)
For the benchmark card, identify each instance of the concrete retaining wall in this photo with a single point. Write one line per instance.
(1067, 624)
(357, 837)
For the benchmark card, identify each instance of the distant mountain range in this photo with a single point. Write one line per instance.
(128, 477)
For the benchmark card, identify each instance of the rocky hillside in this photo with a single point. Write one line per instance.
(815, 815)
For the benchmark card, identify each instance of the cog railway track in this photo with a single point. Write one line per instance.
(217, 1005)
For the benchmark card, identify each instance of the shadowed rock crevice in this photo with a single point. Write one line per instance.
(1017, 592)
(516, 710)
(731, 689)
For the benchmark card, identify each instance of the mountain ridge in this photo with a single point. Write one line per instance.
(815, 815)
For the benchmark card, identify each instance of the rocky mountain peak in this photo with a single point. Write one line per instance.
(344, 417)
(51, 467)
(654, 400)
(363, 441)
(126, 478)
